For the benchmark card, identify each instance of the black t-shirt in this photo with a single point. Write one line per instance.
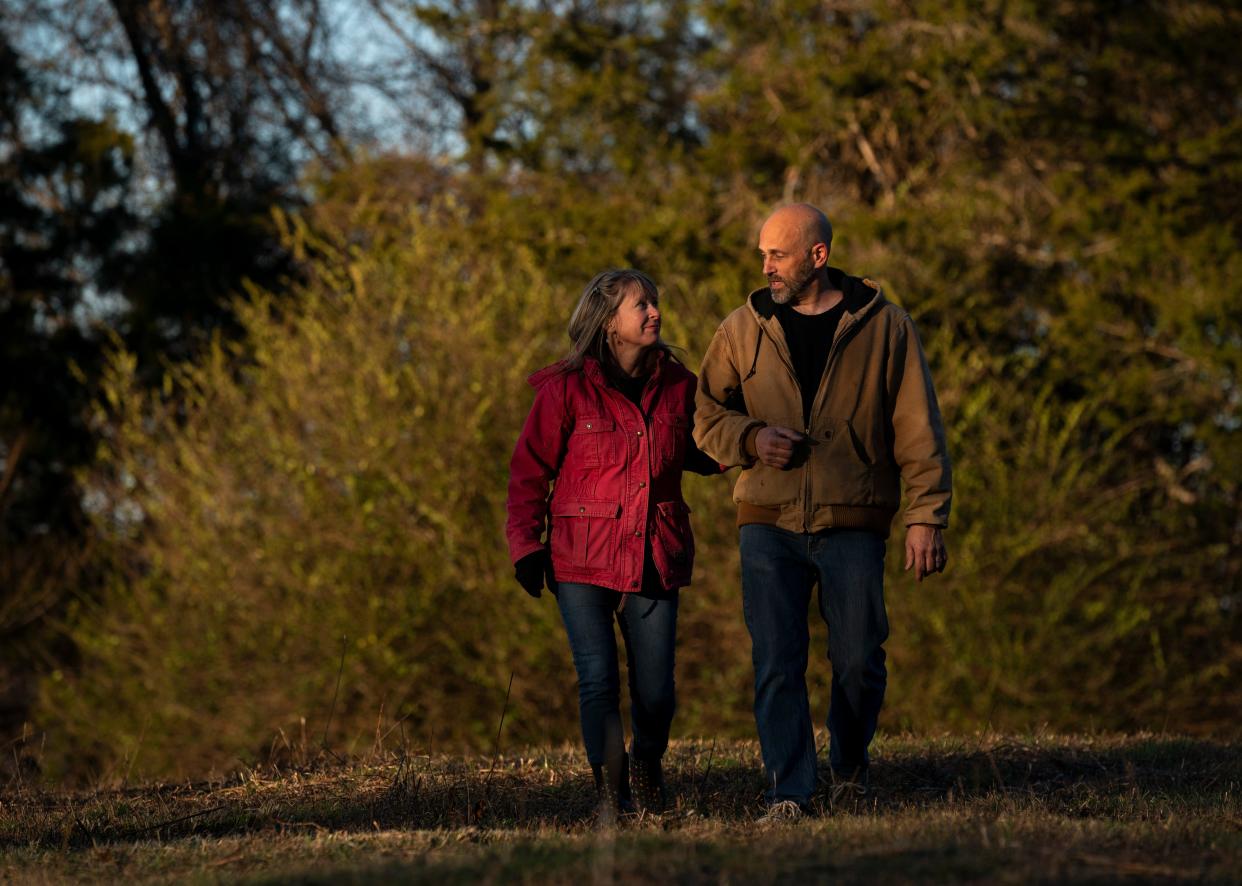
(809, 337)
(631, 386)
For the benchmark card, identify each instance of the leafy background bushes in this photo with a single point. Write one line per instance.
(1051, 194)
(332, 489)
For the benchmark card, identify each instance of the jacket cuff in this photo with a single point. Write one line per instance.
(748, 440)
(924, 520)
(517, 552)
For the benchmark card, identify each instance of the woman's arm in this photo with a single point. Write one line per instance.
(698, 461)
(535, 463)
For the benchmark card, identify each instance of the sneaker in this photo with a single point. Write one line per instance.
(781, 810)
(850, 788)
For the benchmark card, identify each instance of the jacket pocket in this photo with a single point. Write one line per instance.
(771, 487)
(670, 432)
(591, 442)
(584, 533)
(672, 543)
(844, 467)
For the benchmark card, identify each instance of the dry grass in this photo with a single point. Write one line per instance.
(1144, 808)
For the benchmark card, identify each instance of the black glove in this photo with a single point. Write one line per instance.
(533, 570)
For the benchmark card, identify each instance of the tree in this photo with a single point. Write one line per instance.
(63, 223)
(142, 218)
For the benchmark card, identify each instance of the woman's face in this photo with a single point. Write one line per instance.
(637, 320)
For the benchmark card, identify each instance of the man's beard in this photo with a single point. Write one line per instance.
(795, 285)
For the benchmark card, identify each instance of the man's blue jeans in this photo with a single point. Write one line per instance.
(649, 628)
(779, 569)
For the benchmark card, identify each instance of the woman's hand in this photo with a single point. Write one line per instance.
(533, 570)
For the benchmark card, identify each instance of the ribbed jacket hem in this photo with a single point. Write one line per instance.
(878, 520)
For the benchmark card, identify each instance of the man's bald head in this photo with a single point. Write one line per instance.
(795, 242)
(800, 223)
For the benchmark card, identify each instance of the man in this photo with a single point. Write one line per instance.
(819, 389)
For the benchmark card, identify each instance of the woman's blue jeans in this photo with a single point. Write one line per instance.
(779, 569)
(649, 628)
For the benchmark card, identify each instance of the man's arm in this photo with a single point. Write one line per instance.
(918, 432)
(725, 434)
(921, 454)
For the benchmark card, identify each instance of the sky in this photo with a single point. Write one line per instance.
(97, 82)
(78, 49)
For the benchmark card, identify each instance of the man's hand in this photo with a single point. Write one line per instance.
(925, 550)
(777, 446)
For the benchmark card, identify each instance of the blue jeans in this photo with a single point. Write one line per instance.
(649, 628)
(779, 569)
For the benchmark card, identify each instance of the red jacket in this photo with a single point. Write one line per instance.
(617, 472)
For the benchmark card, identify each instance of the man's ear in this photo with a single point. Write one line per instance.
(819, 254)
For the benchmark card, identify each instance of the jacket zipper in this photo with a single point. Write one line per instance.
(806, 430)
(808, 516)
(807, 508)
(838, 342)
(647, 522)
(806, 491)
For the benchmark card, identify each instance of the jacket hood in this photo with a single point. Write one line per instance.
(861, 295)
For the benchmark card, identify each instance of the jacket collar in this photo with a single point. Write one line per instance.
(860, 294)
(593, 370)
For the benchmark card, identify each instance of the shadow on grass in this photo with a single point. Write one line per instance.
(1115, 777)
(1082, 776)
(647, 859)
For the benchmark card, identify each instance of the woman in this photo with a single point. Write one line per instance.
(611, 426)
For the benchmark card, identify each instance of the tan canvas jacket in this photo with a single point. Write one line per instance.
(874, 422)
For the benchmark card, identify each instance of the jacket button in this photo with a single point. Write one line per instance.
(588, 426)
(638, 533)
(642, 484)
(581, 510)
(640, 433)
(633, 584)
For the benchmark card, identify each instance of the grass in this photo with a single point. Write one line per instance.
(992, 808)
